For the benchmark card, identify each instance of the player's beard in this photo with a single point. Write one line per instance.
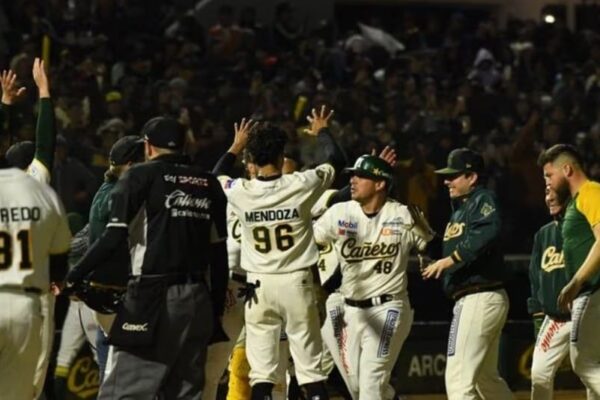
(562, 190)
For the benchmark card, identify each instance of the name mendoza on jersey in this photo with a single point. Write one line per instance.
(271, 215)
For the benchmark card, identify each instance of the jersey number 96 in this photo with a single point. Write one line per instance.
(264, 239)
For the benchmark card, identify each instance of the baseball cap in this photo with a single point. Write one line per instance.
(164, 132)
(126, 149)
(372, 167)
(113, 95)
(462, 160)
(20, 154)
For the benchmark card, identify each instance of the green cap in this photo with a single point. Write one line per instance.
(368, 166)
(462, 160)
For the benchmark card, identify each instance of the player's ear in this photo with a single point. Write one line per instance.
(567, 169)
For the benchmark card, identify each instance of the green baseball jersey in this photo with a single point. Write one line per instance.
(547, 274)
(100, 210)
(583, 213)
(471, 238)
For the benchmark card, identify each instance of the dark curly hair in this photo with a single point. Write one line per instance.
(266, 144)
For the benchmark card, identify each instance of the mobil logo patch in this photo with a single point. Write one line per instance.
(347, 224)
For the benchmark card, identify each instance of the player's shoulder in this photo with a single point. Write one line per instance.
(589, 191)
(38, 171)
(319, 173)
(484, 202)
(549, 227)
(397, 211)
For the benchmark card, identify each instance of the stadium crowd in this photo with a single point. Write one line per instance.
(507, 93)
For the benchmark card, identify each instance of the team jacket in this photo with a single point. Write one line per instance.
(582, 214)
(547, 273)
(471, 239)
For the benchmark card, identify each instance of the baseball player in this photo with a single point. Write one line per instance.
(278, 253)
(233, 319)
(547, 276)
(34, 242)
(473, 275)
(124, 153)
(368, 321)
(563, 173)
(37, 160)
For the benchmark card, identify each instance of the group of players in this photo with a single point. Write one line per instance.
(210, 285)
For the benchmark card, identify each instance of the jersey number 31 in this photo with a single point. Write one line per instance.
(6, 250)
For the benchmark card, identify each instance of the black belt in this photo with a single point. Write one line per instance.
(373, 301)
(176, 279)
(29, 289)
(240, 278)
(489, 287)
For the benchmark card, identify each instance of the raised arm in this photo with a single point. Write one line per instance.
(319, 127)
(227, 160)
(10, 94)
(45, 132)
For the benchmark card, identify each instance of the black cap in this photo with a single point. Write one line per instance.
(462, 160)
(164, 132)
(20, 154)
(126, 149)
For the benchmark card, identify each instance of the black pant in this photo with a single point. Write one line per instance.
(173, 366)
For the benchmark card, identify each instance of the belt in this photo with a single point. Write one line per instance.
(176, 279)
(240, 278)
(488, 287)
(28, 289)
(373, 301)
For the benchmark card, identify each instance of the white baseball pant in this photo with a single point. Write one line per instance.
(365, 343)
(584, 343)
(20, 341)
(551, 347)
(284, 301)
(47, 339)
(472, 362)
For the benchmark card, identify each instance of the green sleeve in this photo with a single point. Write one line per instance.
(534, 305)
(45, 134)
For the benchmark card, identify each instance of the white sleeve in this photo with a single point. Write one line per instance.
(226, 182)
(38, 171)
(324, 228)
(321, 176)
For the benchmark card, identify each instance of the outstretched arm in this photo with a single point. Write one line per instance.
(227, 160)
(10, 94)
(45, 133)
(319, 127)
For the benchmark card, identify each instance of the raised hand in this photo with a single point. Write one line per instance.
(240, 139)
(10, 90)
(388, 154)
(40, 77)
(318, 121)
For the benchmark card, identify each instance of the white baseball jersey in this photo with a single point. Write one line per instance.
(373, 251)
(33, 225)
(234, 234)
(38, 171)
(275, 218)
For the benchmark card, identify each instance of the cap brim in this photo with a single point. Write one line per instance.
(362, 174)
(447, 171)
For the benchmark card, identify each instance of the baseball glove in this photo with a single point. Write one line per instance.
(421, 226)
(104, 299)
